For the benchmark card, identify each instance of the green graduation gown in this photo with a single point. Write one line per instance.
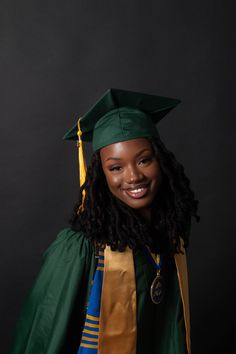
(52, 316)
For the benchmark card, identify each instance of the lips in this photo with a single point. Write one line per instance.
(137, 192)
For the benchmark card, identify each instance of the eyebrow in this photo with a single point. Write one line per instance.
(138, 154)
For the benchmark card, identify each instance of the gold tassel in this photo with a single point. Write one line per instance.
(82, 163)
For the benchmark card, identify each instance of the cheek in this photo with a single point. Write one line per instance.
(156, 175)
(113, 181)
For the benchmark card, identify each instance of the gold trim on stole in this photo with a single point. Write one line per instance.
(181, 267)
(117, 329)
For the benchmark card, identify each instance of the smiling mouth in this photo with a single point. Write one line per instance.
(138, 192)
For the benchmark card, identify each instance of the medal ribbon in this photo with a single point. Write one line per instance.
(157, 265)
(157, 289)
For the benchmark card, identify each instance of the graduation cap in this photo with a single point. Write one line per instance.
(119, 115)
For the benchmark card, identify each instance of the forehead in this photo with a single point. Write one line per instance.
(126, 148)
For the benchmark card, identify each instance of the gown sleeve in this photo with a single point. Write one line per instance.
(64, 279)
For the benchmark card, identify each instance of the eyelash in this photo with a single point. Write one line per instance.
(117, 168)
(147, 159)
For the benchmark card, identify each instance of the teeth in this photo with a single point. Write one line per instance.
(137, 190)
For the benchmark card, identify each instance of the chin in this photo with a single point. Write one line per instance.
(138, 205)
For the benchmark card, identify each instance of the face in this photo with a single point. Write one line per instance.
(132, 172)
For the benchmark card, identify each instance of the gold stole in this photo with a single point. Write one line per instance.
(118, 328)
(182, 272)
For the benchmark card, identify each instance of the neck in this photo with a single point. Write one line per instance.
(146, 214)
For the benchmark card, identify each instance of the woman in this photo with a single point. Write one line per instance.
(116, 280)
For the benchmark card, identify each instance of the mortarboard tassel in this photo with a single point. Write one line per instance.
(82, 163)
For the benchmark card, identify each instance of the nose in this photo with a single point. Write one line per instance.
(133, 175)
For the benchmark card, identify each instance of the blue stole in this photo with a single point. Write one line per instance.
(90, 334)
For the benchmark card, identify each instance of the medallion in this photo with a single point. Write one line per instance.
(157, 290)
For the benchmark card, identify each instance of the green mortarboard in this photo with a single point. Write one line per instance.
(121, 115)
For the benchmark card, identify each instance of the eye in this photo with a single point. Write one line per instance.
(114, 168)
(145, 160)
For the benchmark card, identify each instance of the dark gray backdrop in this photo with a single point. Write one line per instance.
(57, 58)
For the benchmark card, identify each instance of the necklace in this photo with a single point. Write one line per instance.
(157, 290)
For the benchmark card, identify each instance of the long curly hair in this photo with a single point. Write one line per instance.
(107, 220)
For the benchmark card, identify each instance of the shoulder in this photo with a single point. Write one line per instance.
(69, 245)
(67, 259)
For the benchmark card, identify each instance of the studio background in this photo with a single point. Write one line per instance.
(57, 59)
